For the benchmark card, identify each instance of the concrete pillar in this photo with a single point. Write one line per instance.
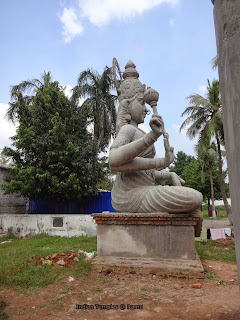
(227, 28)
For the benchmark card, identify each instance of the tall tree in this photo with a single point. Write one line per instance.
(19, 94)
(204, 119)
(54, 155)
(99, 103)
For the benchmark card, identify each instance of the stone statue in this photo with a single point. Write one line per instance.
(132, 155)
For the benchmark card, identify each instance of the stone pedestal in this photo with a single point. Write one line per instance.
(158, 243)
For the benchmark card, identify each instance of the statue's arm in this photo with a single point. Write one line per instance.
(124, 153)
(166, 175)
(139, 164)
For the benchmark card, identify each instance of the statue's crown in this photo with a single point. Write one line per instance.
(130, 71)
(130, 86)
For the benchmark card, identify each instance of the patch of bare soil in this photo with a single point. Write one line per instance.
(150, 297)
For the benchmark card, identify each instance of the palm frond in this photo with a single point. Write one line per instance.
(46, 77)
(214, 62)
(11, 114)
(88, 76)
(198, 100)
(24, 86)
(204, 115)
(29, 86)
(197, 125)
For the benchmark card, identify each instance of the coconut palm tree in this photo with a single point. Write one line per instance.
(19, 97)
(99, 102)
(207, 152)
(204, 119)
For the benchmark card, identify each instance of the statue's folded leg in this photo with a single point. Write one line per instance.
(171, 199)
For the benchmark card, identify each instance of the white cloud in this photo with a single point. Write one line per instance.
(71, 26)
(176, 127)
(101, 12)
(7, 129)
(67, 90)
(202, 89)
(171, 22)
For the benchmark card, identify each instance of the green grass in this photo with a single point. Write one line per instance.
(18, 269)
(216, 250)
(220, 211)
(211, 275)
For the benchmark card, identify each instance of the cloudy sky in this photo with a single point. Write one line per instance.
(172, 43)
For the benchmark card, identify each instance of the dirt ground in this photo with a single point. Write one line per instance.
(150, 297)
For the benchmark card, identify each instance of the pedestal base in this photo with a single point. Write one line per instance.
(158, 243)
(162, 267)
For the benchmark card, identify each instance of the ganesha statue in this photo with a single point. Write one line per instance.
(132, 154)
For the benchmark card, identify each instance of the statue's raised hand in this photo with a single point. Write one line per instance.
(157, 125)
(169, 151)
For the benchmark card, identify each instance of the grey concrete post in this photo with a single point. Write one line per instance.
(227, 28)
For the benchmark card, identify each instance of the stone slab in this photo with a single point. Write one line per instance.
(161, 267)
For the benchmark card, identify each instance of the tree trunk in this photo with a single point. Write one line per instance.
(222, 187)
(96, 131)
(208, 206)
(212, 191)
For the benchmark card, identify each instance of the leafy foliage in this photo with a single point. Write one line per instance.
(4, 160)
(180, 162)
(197, 177)
(54, 155)
(106, 183)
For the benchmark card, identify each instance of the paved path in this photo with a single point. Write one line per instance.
(211, 224)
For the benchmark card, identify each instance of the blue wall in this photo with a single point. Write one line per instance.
(97, 204)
